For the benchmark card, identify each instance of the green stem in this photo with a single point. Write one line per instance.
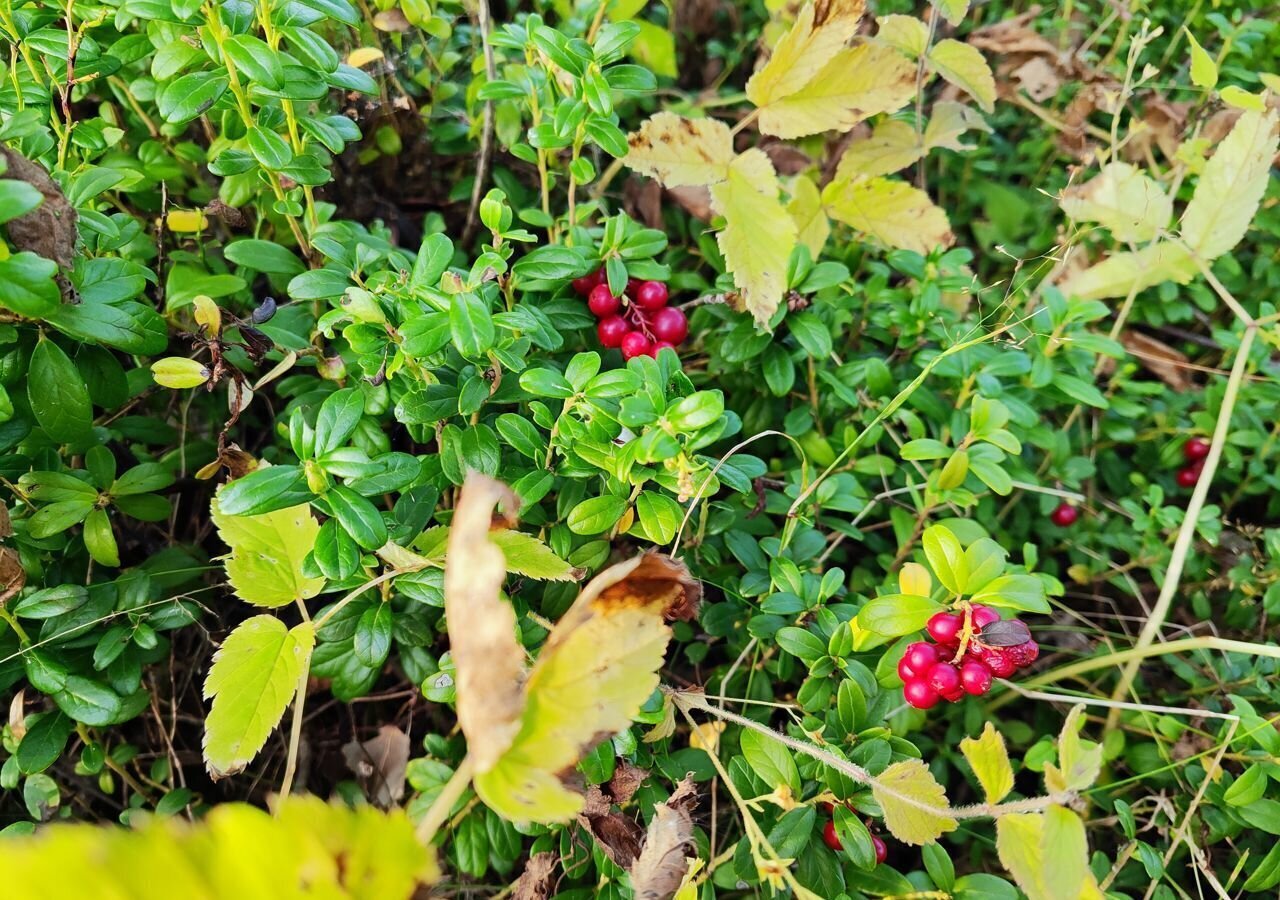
(444, 802)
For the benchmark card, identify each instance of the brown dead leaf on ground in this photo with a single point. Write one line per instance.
(49, 230)
(618, 835)
(1038, 78)
(380, 763)
(12, 576)
(626, 781)
(535, 881)
(488, 660)
(1165, 362)
(660, 868)
(1161, 126)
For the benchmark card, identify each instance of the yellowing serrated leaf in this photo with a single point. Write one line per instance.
(914, 580)
(679, 151)
(965, 67)
(1121, 273)
(947, 121)
(179, 373)
(1046, 854)
(1231, 186)
(990, 762)
(1123, 199)
(362, 56)
(819, 32)
(805, 209)
(1204, 71)
(952, 10)
(597, 667)
(254, 675)
(856, 84)
(186, 221)
(488, 660)
(1079, 760)
(1065, 851)
(526, 555)
(905, 33)
(758, 234)
(1234, 95)
(892, 146)
(893, 212)
(267, 550)
(915, 806)
(1019, 848)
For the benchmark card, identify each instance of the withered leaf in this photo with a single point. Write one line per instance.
(1005, 633)
(660, 867)
(618, 836)
(534, 882)
(49, 230)
(380, 763)
(487, 658)
(626, 781)
(12, 576)
(1168, 364)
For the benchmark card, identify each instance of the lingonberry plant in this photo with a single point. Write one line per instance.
(622, 449)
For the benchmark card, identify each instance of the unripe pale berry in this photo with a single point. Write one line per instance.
(651, 295)
(612, 330)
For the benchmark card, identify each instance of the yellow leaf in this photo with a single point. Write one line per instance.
(1204, 71)
(905, 33)
(597, 667)
(184, 221)
(1236, 96)
(1018, 846)
(487, 658)
(1079, 760)
(820, 31)
(1121, 273)
(893, 212)
(208, 316)
(265, 563)
(805, 209)
(706, 736)
(1066, 853)
(914, 580)
(947, 121)
(990, 762)
(963, 66)
(1046, 854)
(1123, 199)
(892, 146)
(1231, 186)
(856, 84)
(952, 10)
(679, 151)
(915, 806)
(178, 372)
(362, 56)
(1270, 81)
(758, 235)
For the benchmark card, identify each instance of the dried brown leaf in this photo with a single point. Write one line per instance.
(1168, 364)
(12, 576)
(488, 660)
(49, 230)
(535, 882)
(618, 836)
(6, 523)
(380, 763)
(626, 781)
(660, 867)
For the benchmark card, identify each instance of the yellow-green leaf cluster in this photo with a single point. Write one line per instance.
(267, 550)
(893, 212)
(915, 806)
(1079, 760)
(1047, 854)
(989, 760)
(1123, 199)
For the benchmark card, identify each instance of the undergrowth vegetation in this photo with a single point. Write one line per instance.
(639, 449)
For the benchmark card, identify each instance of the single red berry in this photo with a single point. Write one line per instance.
(975, 677)
(1023, 655)
(651, 295)
(1189, 476)
(670, 324)
(601, 301)
(984, 616)
(1064, 515)
(944, 678)
(882, 850)
(584, 285)
(1195, 449)
(920, 694)
(658, 346)
(945, 627)
(633, 285)
(827, 808)
(905, 672)
(634, 344)
(829, 836)
(612, 330)
(995, 659)
(920, 656)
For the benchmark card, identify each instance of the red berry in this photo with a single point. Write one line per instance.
(584, 285)
(905, 672)
(601, 301)
(1189, 476)
(944, 678)
(659, 346)
(670, 324)
(1023, 655)
(634, 344)
(1064, 515)
(829, 836)
(651, 295)
(633, 285)
(945, 627)
(1195, 449)
(882, 851)
(999, 662)
(920, 694)
(612, 330)
(975, 677)
(984, 616)
(920, 656)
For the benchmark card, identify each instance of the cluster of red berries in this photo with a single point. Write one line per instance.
(958, 664)
(639, 322)
(1193, 451)
(832, 840)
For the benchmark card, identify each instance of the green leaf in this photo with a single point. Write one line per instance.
(596, 514)
(657, 517)
(17, 198)
(264, 490)
(89, 701)
(267, 551)
(897, 614)
(263, 256)
(58, 517)
(530, 557)
(52, 601)
(946, 557)
(44, 742)
(192, 95)
(358, 516)
(801, 643)
(1249, 787)
(1231, 186)
(27, 286)
(924, 448)
(985, 559)
(372, 640)
(58, 396)
(254, 58)
(770, 760)
(1021, 592)
(100, 540)
(254, 675)
(339, 415)
(433, 258)
(471, 326)
(546, 383)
